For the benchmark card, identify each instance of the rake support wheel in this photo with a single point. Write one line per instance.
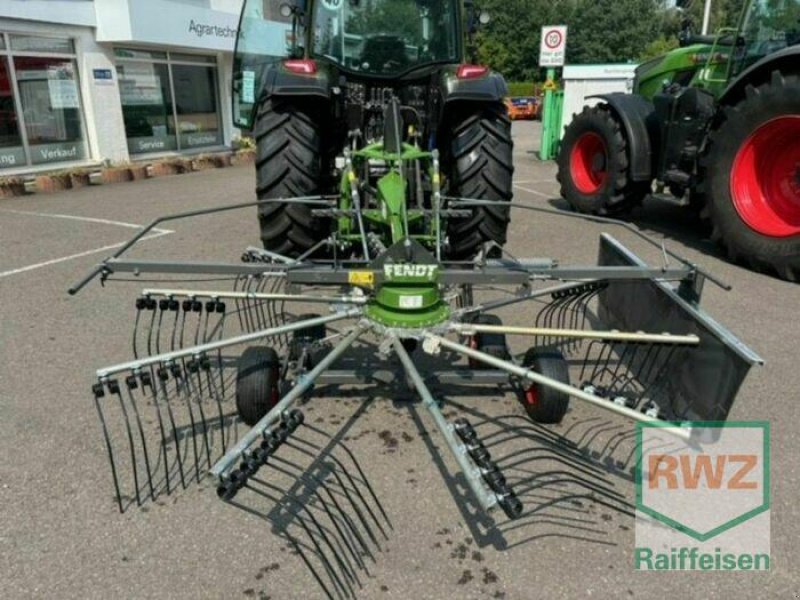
(542, 403)
(257, 377)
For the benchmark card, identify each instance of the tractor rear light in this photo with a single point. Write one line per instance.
(301, 66)
(471, 71)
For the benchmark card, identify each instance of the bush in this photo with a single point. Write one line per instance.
(520, 88)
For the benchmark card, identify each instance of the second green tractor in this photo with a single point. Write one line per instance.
(717, 123)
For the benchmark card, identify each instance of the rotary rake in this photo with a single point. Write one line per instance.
(220, 378)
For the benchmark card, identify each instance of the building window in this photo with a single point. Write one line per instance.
(169, 100)
(147, 107)
(12, 153)
(41, 118)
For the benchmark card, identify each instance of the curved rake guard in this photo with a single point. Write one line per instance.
(635, 339)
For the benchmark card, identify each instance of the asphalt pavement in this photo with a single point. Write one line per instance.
(61, 534)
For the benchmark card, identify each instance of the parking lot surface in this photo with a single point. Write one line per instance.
(62, 535)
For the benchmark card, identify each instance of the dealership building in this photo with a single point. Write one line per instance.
(83, 82)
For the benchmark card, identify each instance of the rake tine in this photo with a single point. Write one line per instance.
(136, 330)
(185, 306)
(180, 389)
(349, 571)
(621, 360)
(587, 356)
(346, 492)
(131, 384)
(664, 365)
(158, 329)
(113, 387)
(174, 328)
(246, 307)
(152, 326)
(313, 519)
(97, 392)
(646, 379)
(363, 479)
(189, 370)
(602, 363)
(163, 376)
(205, 365)
(238, 304)
(353, 529)
(638, 372)
(292, 540)
(347, 474)
(146, 379)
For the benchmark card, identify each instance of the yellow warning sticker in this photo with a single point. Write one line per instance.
(366, 278)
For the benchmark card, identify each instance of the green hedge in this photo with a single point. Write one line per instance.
(520, 88)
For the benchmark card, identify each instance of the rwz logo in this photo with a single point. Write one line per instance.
(712, 471)
(705, 487)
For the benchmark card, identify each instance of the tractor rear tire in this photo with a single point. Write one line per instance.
(593, 165)
(289, 164)
(479, 165)
(750, 177)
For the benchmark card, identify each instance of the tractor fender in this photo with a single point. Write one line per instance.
(277, 81)
(638, 118)
(785, 60)
(280, 82)
(489, 88)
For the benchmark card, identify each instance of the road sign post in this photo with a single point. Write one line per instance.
(552, 52)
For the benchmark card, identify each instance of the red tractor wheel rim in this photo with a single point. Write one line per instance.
(532, 395)
(765, 178)
(588, 163)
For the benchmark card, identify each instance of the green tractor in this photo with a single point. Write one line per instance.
(372, 104)
(717, 122)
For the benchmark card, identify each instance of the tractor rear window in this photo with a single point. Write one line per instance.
(385, 37)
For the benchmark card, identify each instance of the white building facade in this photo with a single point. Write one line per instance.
(88, 81)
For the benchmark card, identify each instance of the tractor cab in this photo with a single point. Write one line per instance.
(766, 27)
(374, 40)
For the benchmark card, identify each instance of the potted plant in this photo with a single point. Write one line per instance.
(117, 173)
(138, 171)
(78, 177)
(222, 160)
(203, 162)
(11, 186)
(53, 182)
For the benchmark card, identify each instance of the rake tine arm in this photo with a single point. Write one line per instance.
(432, 343)
(168, 357)
(486, 499)
(235, 453)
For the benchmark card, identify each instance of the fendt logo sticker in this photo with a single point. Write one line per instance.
(703, 505)
(426, 272)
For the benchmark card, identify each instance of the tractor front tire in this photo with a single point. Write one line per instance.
(479, 165)
(593, 165)
(289, 164)
(750, 177)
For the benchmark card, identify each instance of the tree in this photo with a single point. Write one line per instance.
(612, 31)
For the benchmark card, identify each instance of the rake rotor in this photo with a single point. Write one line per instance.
(219, 377)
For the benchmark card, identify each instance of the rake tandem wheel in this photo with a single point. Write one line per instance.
(621, 335)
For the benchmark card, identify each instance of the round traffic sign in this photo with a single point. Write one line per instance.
(553, 39)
